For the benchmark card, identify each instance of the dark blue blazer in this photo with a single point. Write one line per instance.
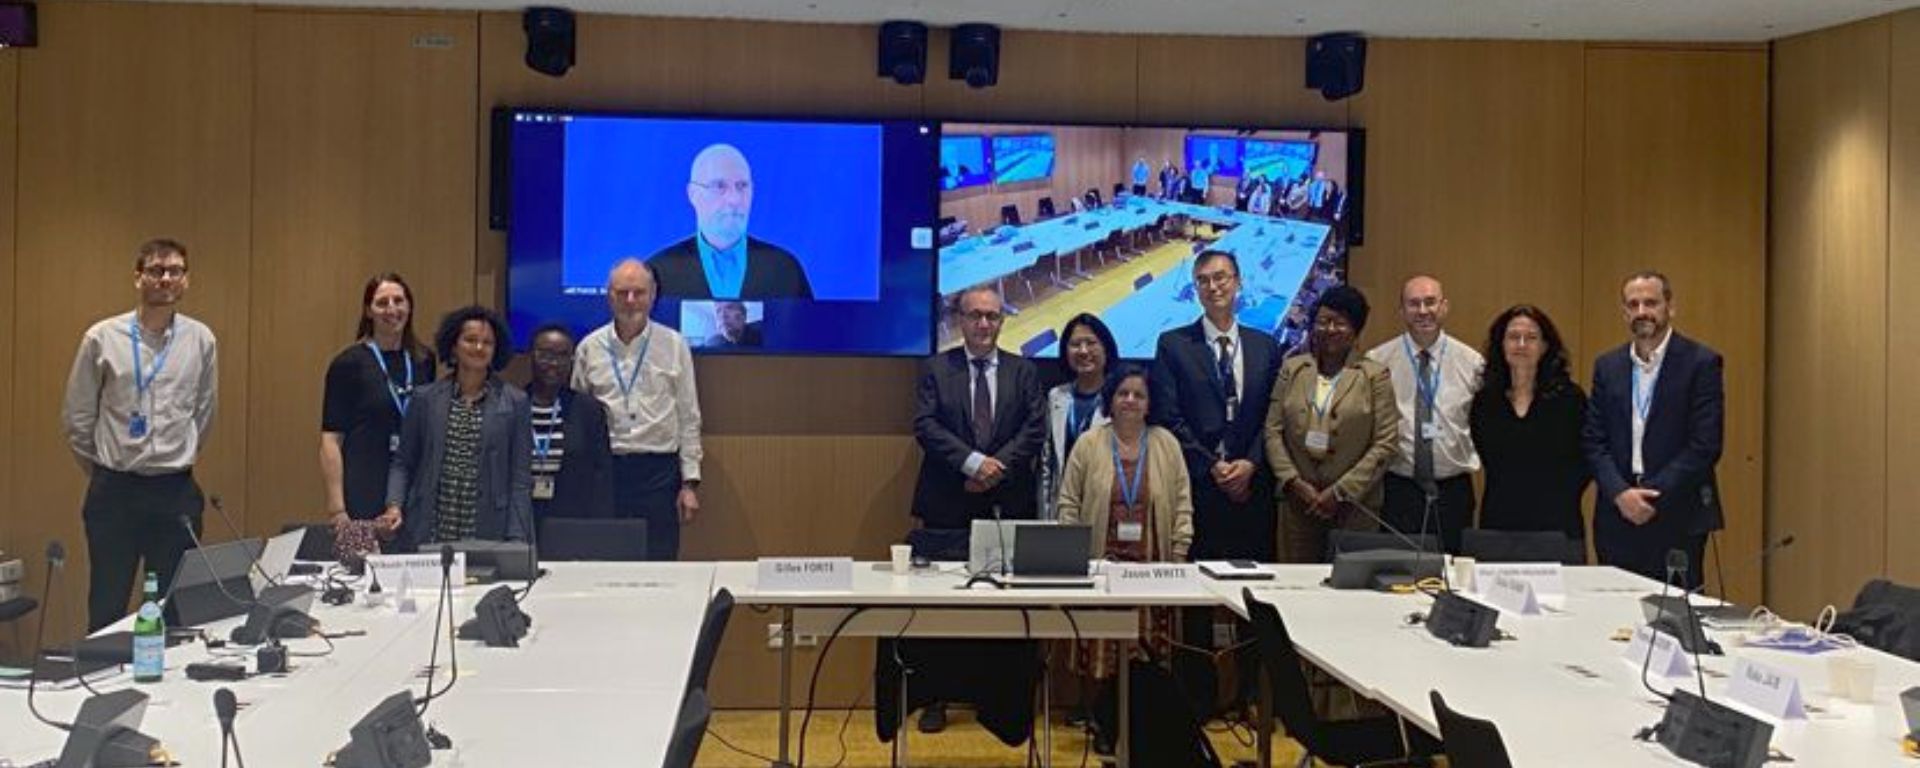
(943, 424)
(1189, 398)
(1685, 429)
(504, 507)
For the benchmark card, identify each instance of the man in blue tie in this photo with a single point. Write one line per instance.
(721, 261)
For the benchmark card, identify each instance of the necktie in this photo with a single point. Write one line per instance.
(982, 405)
(1422, 417)
(1228, 386)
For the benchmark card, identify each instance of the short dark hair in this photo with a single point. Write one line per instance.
(1120, 375)
(1666, 286)
(559, 328)
(1209, 255)
(1346, 300)
(449, 335)
(959, 299)
(1100, 331)
(156, 248)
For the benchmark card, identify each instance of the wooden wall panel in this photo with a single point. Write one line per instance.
(1903, 279)
(1478, 185)
(1827, 315)
(13, 537)
(1675, 170)
(1044, 76)
(365, 144)
(1231, 81)
(133, 124)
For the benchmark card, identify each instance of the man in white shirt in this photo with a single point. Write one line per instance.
(643, 373)
(1434, 378)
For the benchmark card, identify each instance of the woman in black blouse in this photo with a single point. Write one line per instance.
(369, 385)
(1526, 426)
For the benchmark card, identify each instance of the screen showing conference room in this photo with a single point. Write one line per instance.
(1114, 223)
(768, 236)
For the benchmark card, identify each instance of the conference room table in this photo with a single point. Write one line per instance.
(1560, 690)
(597, 681)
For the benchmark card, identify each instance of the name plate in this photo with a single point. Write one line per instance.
(1772, 691)
(806, 574)
(1547, 579)
(1144, 579)
(1512, 594)
(1669, 659)
(416, 571)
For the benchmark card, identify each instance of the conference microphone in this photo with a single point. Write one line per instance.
(214, 500)
(1653, 627)
(1419, 549)
(56, 558)
(442, 614)
(1694, 728)
(225, 707)
(1719, 564)
(533, 557)
(1677, 563)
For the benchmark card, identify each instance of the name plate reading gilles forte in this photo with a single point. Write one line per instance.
(1132, 579)
(806, 574)
(417, 571)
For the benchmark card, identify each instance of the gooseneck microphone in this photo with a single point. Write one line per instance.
(225, 707)
(56, 558)
(1677, 562)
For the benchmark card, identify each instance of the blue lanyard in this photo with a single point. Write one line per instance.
(1643, 403)
(1428, 388)
(543, 441)
(625, 382)
(1129, 487)
(1076, 426)
(399, 400)
(1313, 401)
(142, 381)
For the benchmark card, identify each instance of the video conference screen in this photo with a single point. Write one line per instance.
(1018, 158)
(768, 236)
(963, 162)
(1125, 210)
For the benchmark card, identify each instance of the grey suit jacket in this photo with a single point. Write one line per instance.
(504, 507)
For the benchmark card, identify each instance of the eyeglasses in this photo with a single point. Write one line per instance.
(1214, 279)
(158, 272)
(1332, 324)
(980, 316)
(718, 188)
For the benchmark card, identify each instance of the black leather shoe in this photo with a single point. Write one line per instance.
(933, 719)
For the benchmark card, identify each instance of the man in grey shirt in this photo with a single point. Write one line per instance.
(139, 401)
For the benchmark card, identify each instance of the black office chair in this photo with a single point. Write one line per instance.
(1468, 742)
(1884, 616)
(1010, 215)
(597, 538)
(318, 544)
(1522, 547)
(1367, 541)
(1370, 741)
(712, 629)
(1046, 208)
(689, 729)
(1119, 190)
(1093, 197)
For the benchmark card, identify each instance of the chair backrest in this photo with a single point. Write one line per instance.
(1367, 541)
(596, 538)
(1292, 701)
(689, 729)
(1046, 207)
(712, 629)
(1010, 215)
(1469, 742)
(1522, 547)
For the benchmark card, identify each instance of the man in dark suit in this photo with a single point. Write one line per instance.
(1211, 384)
(1653, 432)
(721, 261)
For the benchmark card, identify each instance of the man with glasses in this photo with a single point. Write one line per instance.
(139, 401)
(1430, 482)
(721, 261)
(572, 452)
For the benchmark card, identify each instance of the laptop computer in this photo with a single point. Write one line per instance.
(1051, 557)
(991, 544)
(212, 583)
(277, 559)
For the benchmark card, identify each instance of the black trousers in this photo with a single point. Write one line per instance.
(1406, 508)
(133, 526)
(1645, 553)
(647, 486)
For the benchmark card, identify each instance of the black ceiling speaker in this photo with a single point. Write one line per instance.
(549, 40)
(17, 27)
(975, 55)
(903, 52)
(1337, 64)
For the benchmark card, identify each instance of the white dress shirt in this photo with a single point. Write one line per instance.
(661, 412)
(1648, 374)
(102, 396)
(1457, 370)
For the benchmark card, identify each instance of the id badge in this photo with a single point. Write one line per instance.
(137, 425)
(393, 443)
(543, 487)
(1131, 532)
(1430, 431)
(1319, 442)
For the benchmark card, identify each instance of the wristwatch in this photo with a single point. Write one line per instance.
(691, 485)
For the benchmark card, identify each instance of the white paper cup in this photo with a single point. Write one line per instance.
(902, 557)
(1463, 574)
(1852, 678)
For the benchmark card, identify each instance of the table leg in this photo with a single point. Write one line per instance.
(1046, 717)
(786, 684)
(1265, 727)
(1123, 741)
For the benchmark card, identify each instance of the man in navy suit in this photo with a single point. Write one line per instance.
(1211, 383)
(1654, 427)
(721, 261)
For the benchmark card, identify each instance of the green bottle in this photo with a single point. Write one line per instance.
(149, 635)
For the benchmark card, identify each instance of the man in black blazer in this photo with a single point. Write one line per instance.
(721, 261)
(1211, 384)
(1653, 432)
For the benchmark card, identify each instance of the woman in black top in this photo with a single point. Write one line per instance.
(1526, 427)
(368, 387)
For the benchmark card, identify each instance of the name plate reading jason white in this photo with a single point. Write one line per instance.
(1142, 579)
(806, 574)
(417, 571)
